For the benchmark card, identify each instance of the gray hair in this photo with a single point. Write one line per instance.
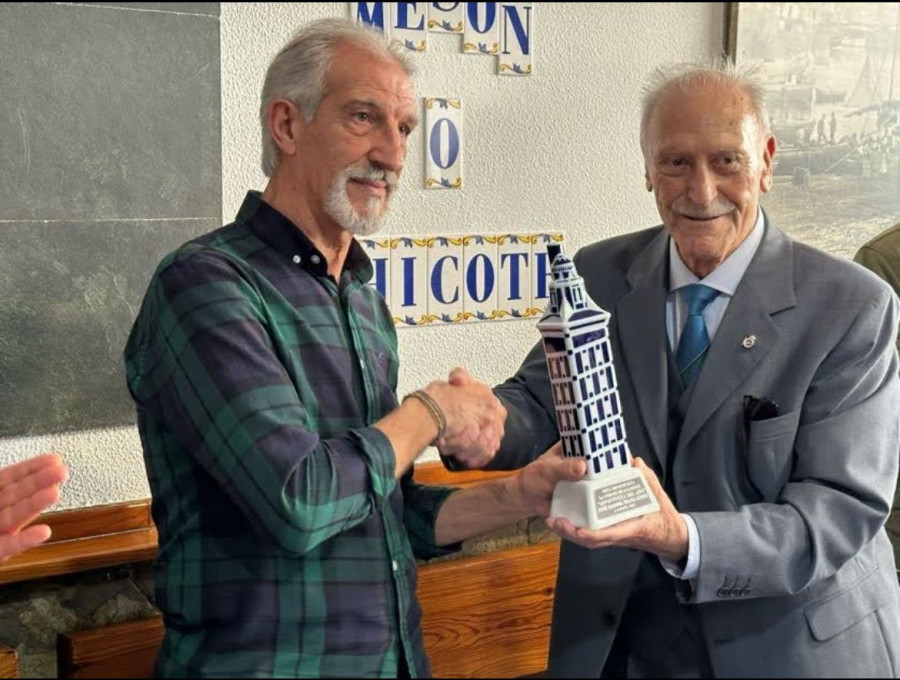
(718, 72)
(298, 71)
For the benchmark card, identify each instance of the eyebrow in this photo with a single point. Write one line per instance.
(356, 103)
(412, 120)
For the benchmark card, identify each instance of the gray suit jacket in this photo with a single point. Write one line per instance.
(796, 572)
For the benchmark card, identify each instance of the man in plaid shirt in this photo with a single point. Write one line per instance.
(264, 370)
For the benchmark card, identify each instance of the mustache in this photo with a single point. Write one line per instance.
(721, 206)
(368, 172)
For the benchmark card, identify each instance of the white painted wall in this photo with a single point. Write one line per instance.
(554, 151)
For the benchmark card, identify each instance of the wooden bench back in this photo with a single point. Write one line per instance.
(483, 616)
(9, 663)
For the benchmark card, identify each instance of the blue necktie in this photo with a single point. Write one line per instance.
(694, 338)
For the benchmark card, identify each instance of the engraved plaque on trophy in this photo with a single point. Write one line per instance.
(588, 409)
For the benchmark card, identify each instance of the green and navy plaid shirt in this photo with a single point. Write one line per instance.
(286, 546)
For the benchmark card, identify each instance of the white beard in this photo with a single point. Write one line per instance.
(339, 207)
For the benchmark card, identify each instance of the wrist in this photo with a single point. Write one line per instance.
(433, 409)
(680, 552)
(513, 495)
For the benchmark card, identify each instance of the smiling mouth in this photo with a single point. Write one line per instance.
(375, 187)
(704, 218)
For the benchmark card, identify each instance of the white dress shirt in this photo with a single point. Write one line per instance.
(725, 279)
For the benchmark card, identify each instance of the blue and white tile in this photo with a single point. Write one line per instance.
(480, 281)
(540, 273)
(481, 34)
(379, 252)
(445, 279)
(443, 143)
(409, 275)
(446, 17)
(376, 14)
(408, 24)
(516, 55)
(514, 273)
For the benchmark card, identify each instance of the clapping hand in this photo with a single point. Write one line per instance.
(27, 489)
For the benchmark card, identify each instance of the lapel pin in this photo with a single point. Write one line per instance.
(748, 342)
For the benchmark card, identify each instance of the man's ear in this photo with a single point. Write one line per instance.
(284, 123)
(647, 182)
(765, 180)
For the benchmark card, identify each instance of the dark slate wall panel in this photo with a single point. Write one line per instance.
(69, 292)
(204, 8)
(110, 153)
(108, 113)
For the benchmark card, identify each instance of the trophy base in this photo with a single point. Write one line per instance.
(608, 499)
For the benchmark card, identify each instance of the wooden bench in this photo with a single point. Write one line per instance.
(9, 664)
(483, 615)
(121, 650)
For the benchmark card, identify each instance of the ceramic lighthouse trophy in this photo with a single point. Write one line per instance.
(588, 409)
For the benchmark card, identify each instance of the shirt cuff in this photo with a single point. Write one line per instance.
(692, 567)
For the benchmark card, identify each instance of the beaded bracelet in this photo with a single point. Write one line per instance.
(436, 414)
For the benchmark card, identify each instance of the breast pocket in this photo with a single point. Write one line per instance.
(770, 445)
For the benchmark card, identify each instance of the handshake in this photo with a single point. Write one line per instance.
(470, 419)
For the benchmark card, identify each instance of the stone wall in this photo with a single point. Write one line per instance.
(33, 613)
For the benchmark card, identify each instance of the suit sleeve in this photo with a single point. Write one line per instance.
(531, 416)
(882, 264)
(200, 359)
(886, 267)
(841, 486)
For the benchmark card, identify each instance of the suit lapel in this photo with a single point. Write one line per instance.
(640, 322)
(767, 287)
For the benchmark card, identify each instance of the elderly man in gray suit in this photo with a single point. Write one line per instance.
(759, 384)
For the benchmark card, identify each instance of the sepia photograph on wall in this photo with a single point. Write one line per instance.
(831, 72)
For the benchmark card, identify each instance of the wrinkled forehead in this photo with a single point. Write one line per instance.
(356, 72)
(704, 110)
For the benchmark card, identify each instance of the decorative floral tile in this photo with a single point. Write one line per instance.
(514, 275)
(379, 251)
(481, 34)
(445, 281)
(408, 24)
(409, 276)
(376, 14)
(480, 278)
(446, 17)
(443, 143)
(516, 57)
(541, 269)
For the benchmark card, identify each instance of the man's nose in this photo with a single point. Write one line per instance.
(389, 151)
(702, 189)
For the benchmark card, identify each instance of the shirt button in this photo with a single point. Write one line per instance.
(315, 259)
(297, 259)
(362, 364)
(394, 565)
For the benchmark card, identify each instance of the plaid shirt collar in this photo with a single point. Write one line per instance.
(287, 238)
